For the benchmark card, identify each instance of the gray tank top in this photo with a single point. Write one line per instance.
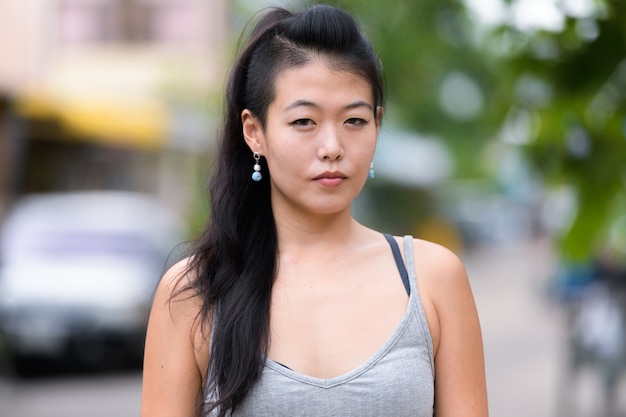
(398, 380)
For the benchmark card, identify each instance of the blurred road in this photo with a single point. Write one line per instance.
(525, 338)
(78, 396)
(522, 334)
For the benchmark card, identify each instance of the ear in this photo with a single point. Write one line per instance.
(379, 116)
(252, 131)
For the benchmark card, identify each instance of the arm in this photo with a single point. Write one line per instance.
(172, 380)
(460, 384)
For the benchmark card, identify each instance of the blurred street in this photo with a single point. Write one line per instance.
(525, 337)
(522, 333)
(103, 396)
(505, 120)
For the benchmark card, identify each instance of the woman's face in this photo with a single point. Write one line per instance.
(319, 138)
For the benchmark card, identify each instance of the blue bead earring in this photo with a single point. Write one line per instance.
(256, 175)
(371, 174)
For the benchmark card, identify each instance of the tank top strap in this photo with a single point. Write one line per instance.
(397, 256)
(410, 266)
(410, 262)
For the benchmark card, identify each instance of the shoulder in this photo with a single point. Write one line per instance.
(460, 387)
(173, 285)
(173, 364)
(434, 264)
(176, 296)
(444, 287)
(438, 264)
(176, 312)
(175, 306)
(174, 277)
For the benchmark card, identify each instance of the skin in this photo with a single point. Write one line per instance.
(319, 140)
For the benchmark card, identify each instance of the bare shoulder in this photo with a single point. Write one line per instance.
(178, 305)
(442, 278)
(437, 265)
(460, 387)
(175, 295)
(176, 352)
(175, 279)
(443, 285)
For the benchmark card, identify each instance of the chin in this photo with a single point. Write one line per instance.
(331, 207)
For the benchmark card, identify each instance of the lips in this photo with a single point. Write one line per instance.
(330, 179)
(329, 174)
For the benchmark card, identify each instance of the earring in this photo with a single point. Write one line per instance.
(256, 175)
(371, 174)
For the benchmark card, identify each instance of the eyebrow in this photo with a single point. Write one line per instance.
(306, 103)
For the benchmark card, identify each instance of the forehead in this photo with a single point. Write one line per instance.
(319, 82)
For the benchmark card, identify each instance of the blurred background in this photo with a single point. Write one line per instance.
(504, 139)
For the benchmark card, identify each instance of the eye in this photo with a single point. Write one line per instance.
(356, 121)
(303, 122)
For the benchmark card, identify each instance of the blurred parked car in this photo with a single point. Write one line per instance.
(78, 272)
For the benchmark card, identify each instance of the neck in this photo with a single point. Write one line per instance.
(316, 233)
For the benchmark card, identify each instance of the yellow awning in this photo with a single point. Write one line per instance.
(139, 123)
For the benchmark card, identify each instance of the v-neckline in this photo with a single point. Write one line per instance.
(371, 361)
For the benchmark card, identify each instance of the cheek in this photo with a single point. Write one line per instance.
(286, 163)
(286, 155)
(366, 152)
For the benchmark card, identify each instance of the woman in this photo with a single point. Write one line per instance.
(287, 306)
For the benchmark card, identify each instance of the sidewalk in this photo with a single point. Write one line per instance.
(524, 335)
(521, 331)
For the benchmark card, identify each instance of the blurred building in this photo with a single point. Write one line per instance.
(107, 94)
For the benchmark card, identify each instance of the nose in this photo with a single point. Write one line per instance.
(331, 147)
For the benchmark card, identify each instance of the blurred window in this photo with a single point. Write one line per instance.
(126, 21)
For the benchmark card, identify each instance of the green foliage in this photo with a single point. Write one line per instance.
(420, 43)
(570, 83)
(579, 136)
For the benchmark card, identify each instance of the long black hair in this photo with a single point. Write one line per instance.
(234, 261)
